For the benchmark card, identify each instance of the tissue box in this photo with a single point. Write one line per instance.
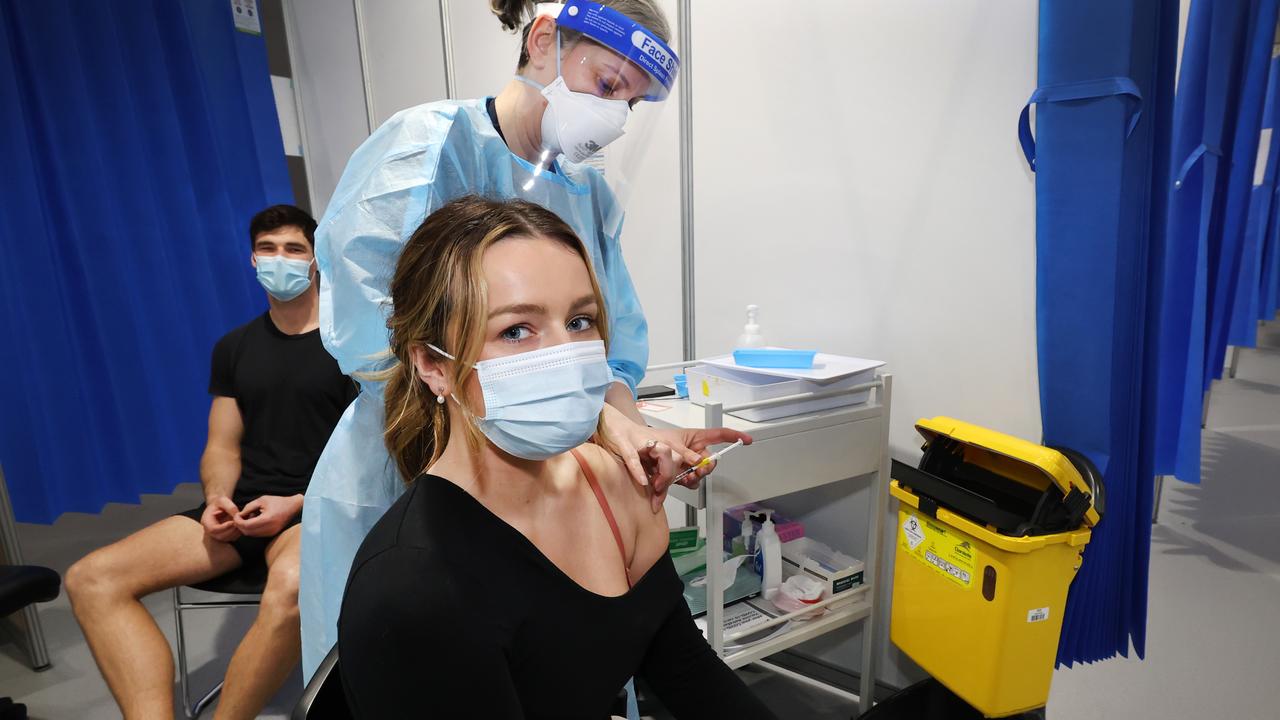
(835, 570)
(786, 528)
(682, 540)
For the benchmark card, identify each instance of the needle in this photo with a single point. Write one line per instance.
(705, 462)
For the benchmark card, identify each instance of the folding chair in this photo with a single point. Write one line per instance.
(246, 592)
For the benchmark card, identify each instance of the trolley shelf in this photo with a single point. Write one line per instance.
(788, 455)
(799, 632)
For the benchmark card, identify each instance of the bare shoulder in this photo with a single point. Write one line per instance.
(623, 492)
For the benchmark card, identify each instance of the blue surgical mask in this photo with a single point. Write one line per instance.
(283, 278)
(542, 403)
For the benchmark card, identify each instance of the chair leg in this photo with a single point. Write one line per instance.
(203, 702)
(182, 654)
(192, 711)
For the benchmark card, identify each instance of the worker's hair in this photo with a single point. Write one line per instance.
(439, 296)
(282, 216)
(514, 13)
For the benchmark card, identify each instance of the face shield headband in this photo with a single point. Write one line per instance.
(628, 38)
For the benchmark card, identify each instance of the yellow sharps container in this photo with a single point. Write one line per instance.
(991, 529)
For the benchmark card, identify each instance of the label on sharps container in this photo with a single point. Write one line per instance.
(911, 531)
(1038, 615)
(944, 549)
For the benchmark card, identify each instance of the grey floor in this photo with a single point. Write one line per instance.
(1214, 616)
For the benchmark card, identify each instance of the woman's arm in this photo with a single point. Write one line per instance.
(691, 680)
(407, 647)
(619, 397)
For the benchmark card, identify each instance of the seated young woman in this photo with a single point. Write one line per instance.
(522, 575)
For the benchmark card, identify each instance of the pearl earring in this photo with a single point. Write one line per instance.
(439, 399)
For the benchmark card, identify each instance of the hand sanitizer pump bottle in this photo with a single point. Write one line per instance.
(751, 337)
(768, 555)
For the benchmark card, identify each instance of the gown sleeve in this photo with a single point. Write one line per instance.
(397, 177)
(628, 329)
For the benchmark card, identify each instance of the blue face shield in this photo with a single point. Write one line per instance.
(542, 403)
(282, 278)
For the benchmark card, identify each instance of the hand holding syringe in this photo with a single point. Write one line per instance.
(705, 462)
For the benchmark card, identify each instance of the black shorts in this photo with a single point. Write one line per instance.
(252, 550)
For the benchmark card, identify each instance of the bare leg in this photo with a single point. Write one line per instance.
(273, 646)
(106, 587)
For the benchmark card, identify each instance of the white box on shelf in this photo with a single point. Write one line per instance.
(837, 571)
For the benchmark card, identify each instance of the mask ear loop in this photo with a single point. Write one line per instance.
(534, 83)
(466, 411)
(558, 50)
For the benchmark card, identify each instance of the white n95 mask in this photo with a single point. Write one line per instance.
(580, 124)
(283, 278)
(542, 403)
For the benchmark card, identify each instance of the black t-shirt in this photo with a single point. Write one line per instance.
(450, 612)
(290, 394)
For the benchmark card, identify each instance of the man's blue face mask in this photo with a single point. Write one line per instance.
(545, 402)
(283, 278)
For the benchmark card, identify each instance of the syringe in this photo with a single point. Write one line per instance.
(705, 462)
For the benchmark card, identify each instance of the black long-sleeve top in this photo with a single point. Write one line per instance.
(452, 613)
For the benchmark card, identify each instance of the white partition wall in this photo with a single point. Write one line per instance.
(484, 55)
(325, 56)
(859, 177)
(404, 54)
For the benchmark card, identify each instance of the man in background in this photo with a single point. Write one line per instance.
(277, 395)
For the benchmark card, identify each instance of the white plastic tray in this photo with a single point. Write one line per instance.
(710, 383)
(825, 367)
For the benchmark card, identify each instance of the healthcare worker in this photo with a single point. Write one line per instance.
(567, 133)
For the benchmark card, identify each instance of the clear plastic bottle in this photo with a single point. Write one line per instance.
(751, 337)
(768, 556)
(744, 544)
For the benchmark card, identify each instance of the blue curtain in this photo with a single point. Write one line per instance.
(1103, 128)
(1269, 229)
(1229, 267)
(1268, 302)
(1196, 207)
(1247, 309)
(1269, 272)
(1220, 227)
(138, 139)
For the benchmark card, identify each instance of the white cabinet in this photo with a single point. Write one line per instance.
(800, 452)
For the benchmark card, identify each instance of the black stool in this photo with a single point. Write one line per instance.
(23, 585)
(247, 586)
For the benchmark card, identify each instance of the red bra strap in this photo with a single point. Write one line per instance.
(608, 512)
